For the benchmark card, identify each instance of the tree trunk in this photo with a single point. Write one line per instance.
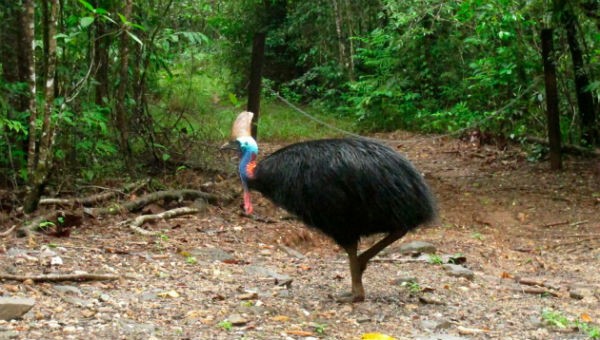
(585, 100)
(101, 46)
(338, 30)
(40, 168)
(258, 56)
(28, 66)
(551, 99)
(121, 116)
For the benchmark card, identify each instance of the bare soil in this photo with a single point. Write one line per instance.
(530, 236)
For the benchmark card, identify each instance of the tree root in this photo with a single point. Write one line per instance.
(96, 198)
(175, 195)
(8, 231)
(61, 277)
(75, 217)
(136, 224)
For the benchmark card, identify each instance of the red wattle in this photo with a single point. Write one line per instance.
(248, 209)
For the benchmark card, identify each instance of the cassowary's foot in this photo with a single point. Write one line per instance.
(349, 298)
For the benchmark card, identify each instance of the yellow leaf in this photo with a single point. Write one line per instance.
(170, 293)
(281, 318)
(185, 253)
(585, 317)
(376, 336)
(298, 333)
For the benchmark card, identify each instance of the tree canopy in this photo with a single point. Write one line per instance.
(98, 86)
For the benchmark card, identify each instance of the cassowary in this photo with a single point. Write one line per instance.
(347, 188)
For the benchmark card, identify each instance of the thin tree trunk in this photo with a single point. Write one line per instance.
(38, 173)
(101, 45)
(551, 99)
(28, 36)
(585, 100)
(120, 107)
(338, 30)
(258, 56)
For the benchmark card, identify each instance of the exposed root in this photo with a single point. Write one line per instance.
(96, 198)
(138, 221)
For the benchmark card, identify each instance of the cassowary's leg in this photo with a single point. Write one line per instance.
(365, 256)
(358, 292)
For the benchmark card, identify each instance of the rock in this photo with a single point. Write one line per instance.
(459, 271)
(280, 279)
(580, 292)
(56, 261)
(237, 320)
(212, 254)
(131, 327)
(9, 335)
(104, 297)
(79, 302)
(69, 290)
(405, 280)
(14, 307)
(417, 247)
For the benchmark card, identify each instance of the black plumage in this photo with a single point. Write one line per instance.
(347, 188)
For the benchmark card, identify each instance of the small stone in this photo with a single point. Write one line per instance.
(237, 320)
(579, 292)
(9, 334)
(48, 253)
(405, 280)
(417, 247)
(56, 261)
(248, 296)
(280, 279)
(69, 290)
(459, 271)
(14, 308)
(69, 329)
(104, 297)
(363, 319)
(212, 254)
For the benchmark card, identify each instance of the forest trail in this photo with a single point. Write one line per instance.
(529, 237)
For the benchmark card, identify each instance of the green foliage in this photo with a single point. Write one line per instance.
(225, 325)
(413, 286)
(435, 259)
(559, 320)
(191, 260)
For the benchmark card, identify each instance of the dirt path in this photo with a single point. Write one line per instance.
(218, 275)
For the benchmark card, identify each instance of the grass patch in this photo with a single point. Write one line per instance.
(559, 320)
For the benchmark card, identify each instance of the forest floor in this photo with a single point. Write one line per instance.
(530, 237)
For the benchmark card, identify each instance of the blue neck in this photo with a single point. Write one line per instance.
(247, 157)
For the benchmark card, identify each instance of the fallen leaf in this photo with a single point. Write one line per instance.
(281, 318)
(376, 336)
(506, 275)
(585, 317)
(299, 333)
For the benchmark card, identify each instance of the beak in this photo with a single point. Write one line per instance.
(231, 145)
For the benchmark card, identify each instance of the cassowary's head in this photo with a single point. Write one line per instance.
(248, 149)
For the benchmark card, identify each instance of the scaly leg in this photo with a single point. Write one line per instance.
(358, 291)
(368, 254)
